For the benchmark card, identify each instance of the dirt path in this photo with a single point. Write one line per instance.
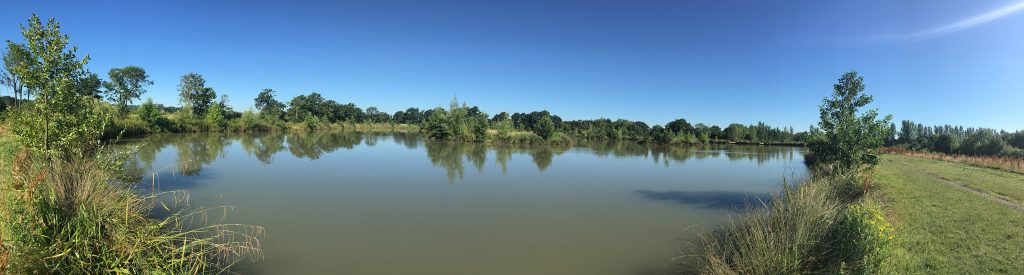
(988, 196)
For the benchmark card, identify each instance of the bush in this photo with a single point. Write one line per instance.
(545, 127)
(862, 240)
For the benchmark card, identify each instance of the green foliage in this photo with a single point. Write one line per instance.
(15, 56)
(545, 127)
(252, 122)
(77, 216)
(661, 135)
(983, 142)
(503, 124)
(60, 120)
(951, 139)
(680, 126)
(327, 110)
(195, 97)
(268, 106)
(89, 86)
(848, 140)
(150, 113)
(479, 125)
(126, 84)
(946, 143)
(862, 240)
(459, 123)
(311, 121)
(1016, 139)
(215, 117)
(435, 125)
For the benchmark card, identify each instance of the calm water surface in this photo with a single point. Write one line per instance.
(394, 203)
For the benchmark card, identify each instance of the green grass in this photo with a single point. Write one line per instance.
(941, 229)
(78, 216)
(1001, 183)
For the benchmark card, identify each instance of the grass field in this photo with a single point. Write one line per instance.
(942, 229)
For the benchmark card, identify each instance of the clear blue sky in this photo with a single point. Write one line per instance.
(713, 61)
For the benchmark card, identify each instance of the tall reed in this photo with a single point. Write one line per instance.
(78, 216)
(813, 228)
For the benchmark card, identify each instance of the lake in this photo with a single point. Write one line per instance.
(395, 203)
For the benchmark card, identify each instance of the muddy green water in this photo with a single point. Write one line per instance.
(394, 203)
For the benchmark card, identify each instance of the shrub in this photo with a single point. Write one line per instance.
(862, 240)
(545, 127)
(150, 113)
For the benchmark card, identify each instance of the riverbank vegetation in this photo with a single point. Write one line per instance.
(65, 203)
(823, 225)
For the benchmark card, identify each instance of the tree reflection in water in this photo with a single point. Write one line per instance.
(194, 151)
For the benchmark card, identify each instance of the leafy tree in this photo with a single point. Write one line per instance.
(15, 56)
(268, 105)
(850, 136)
(983, 142)
(126, 84)
(545, 127)
(436, 125)
(195, 97)
(734, 132)
(1017, 139)
(409, 116)
(679, 126)
(304, 105)
(60, 120)
(946, 143)
(479, 125)
(214, 117)
(660, 134)
(149, 112)
(89, 86)
(374, 115)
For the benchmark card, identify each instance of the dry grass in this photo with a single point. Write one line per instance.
(1005, 163)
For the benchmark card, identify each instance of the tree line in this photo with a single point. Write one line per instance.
(950, 139)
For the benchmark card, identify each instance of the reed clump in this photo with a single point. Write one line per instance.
(817, 227)
(78, 216)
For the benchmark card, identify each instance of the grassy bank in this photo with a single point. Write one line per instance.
(944, 229)
(80, 216)
(818, 227)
